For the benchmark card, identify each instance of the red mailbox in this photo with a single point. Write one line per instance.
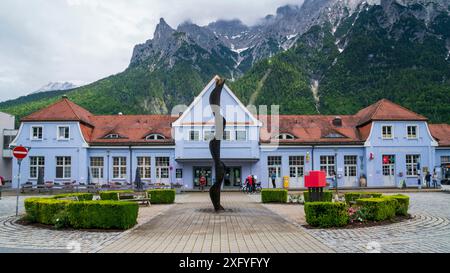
(316, 179)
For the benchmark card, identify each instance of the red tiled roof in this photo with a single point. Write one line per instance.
(386, 110)
(62, 110)
(441, 132)
(310, 129)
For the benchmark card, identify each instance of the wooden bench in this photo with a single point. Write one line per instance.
(141, 197)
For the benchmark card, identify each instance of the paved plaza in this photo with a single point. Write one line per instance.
(246, 226)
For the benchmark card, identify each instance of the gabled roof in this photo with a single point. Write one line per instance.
(387, 110)
(441, 132)
(62, 110)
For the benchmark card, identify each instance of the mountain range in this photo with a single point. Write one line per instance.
(53, 86)
(323, 57)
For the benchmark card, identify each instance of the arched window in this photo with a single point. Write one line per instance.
(155, 137)
(284, 136)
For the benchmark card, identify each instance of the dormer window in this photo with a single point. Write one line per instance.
(155, 137)
(36, 133)
(112, 136)
(386, 132)
(334, 135)
(285, 136)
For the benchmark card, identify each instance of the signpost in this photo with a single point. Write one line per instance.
(19, 152)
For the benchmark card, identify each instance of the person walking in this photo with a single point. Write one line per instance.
(202, 183)
(250, 184)
(273, 176)
(428, 179)
(434, 177)
(254, 183)
(1, 186)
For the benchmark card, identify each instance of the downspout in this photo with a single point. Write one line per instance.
(131, 164)
(312, 158)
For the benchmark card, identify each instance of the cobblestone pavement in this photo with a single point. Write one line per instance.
(192, 226)
(427, 231)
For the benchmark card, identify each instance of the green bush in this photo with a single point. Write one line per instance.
(112, 195)
(402, 204)
(82, 214)
(274, 195)
(80, 196)
(326, 214)
(327, 196)
(162, 196)
(378, 209)
(353, 196)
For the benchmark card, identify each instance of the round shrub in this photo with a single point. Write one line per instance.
(327, 196)
(273, 195)
(162, 196)
(326, 214)
(378, 209)
(402, 204)
(351, 197)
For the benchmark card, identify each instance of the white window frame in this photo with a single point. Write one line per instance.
(112, 136)
(236, 135)
(194, 131)
(32, 133)
(98, 168)
(296, 170)
(145, 166)
(66, 167)
(37, 166)
(155, 137)
(349, 165)
(121, 167)
(413, 165)
(270, 165)
(382, 131)
(407, 131)
(58, 135)
(160, 167)
(285, 136)
(327, 165)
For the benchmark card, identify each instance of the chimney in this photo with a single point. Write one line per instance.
(337, 121)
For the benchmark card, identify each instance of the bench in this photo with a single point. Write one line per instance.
(70, 198)
(141, 197)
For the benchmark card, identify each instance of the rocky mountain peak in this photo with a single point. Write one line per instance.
(162, 30)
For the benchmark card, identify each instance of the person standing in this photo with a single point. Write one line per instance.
(273, 176)
(1, 186)
(202, 183)
(428, 179)
(434, 177)
(250, 183)
(254, 183)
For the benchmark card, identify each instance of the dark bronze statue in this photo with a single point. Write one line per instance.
(214, 144)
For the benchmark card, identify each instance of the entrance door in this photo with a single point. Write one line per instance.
(233, 177)
(202, 171)
(389, 170)
(350, 167)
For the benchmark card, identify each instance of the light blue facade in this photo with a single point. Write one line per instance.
(243, 153)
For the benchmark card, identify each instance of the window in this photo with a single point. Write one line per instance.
(162, 167)
(334, 135)
(36, 133)
(350, 165)
(327, 164)
(285, 136)
(296, 166)
(97, 167)
(241, 135)
(112, 136)
(155, 137)
(411, 131)
(227, 135)
(63, 132)
(412, 162)
(144, 166)
(194, 135)
(388, 165)
(120, 167)
(274, 165)
(208, 135)
(445, 159)
(179, 173)
(63, 166)
(387, 132)
(37, 165)
(6, 141)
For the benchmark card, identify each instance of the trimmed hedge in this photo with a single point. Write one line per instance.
(326, 214)
(82, 214)
(402, 203)
(112, 195)
(353, 196)
(80, 196)
(274, 195)
(327, 196)
(378, 209)
(162, 196)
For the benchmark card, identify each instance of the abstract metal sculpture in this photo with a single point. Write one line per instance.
(214, 144)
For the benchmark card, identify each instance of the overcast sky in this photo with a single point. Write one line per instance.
(81, 41)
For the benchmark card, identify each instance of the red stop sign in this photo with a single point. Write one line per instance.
(20, 152)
